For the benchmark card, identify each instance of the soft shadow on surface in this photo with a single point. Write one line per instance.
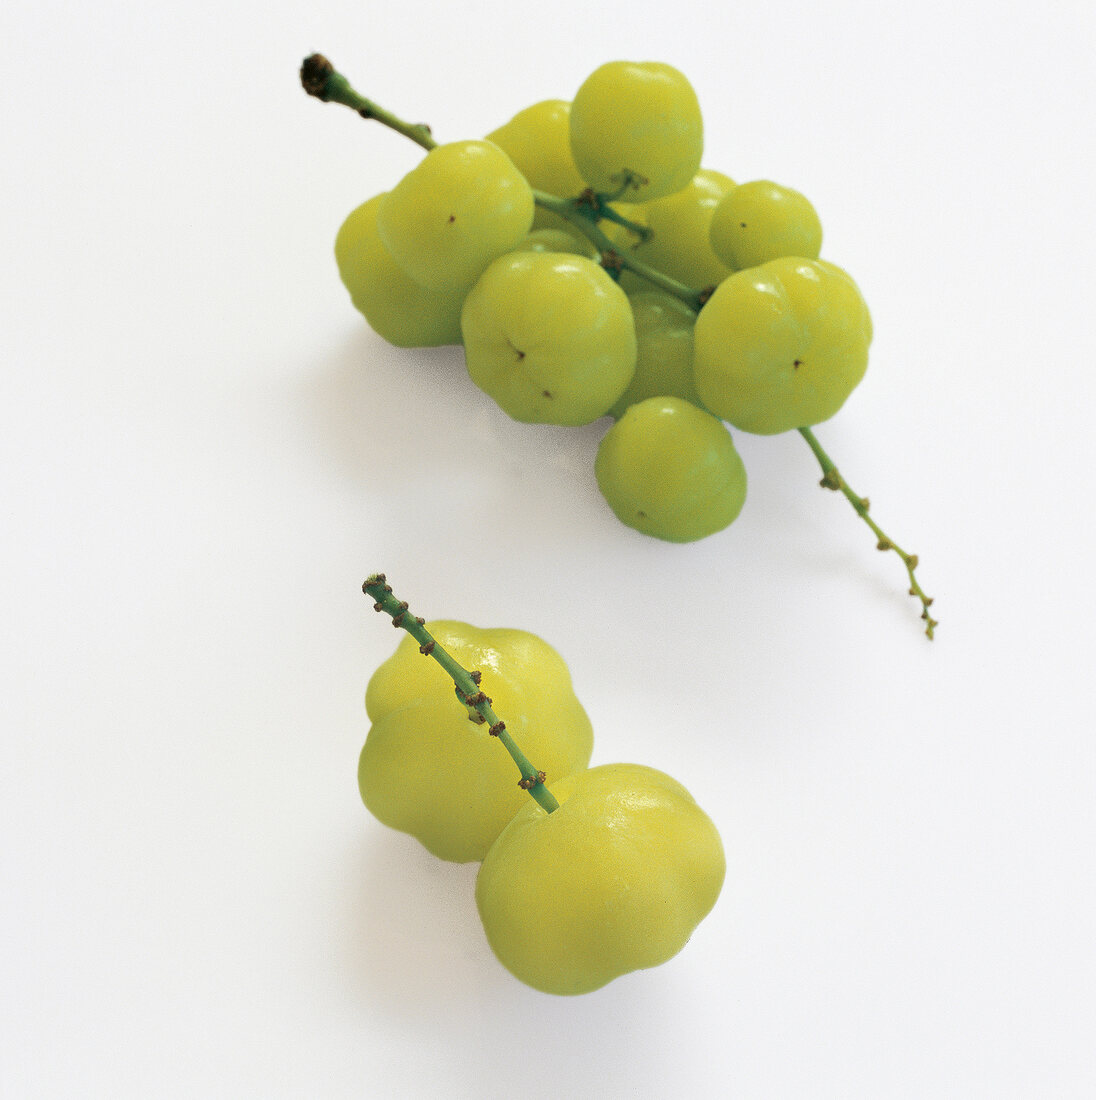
(375, 411)
(410, 923)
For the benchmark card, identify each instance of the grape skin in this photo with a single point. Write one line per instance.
(680, 245)
(664, 351)
(464, 205)
(671, 470)
(761, 221)
(782, 345)
(395, 306)
(537, 140)
(550, 337)
(638, 118)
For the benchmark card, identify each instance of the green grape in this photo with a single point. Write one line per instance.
(679, 245)
(395, 306)
(615, 880)
(464, 205)
(557, 240)
(761, 221)
(671, 470)
(537, 141)
(782, 345)
(638, 119)
(664, 350)
(550, 337)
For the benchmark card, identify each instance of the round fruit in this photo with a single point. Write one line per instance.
(537, 140)
(664, 350)
(550, 337)
(761, 221)
(428, 770)
(636, 123)
(671, 470)
(782, 345)
(557, 240)
(463, 205)
(679, 244)
(395, 306)
(615, 880)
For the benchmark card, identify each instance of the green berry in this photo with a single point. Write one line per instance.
(760, 221)
(671, 470)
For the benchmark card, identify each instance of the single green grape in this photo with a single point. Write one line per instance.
(615, 880)
(679, 244)
(664, 350)
(550, 337)
(395, 306)
(781, 345)
(464, 205)
(557, 240)
(427, 770)
(761, 221)
(671, 470)
(537, 140)
(638, 122)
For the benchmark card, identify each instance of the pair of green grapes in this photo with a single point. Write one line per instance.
(603, 871)
(659, 293)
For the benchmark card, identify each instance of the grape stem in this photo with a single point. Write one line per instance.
(467, 684)
(832, 479)
(320, 78)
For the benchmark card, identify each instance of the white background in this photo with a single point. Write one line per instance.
(204, 452)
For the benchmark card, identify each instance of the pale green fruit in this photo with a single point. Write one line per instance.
(781, 345)
(464, 205)
(550, 337)
(761, 221)
(679, 244)
(671, 470)
(664, 350)
(615, 880)
(640, 119)
(395, 306)
(537, 140)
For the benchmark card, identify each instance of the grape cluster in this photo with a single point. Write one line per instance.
(591, 268)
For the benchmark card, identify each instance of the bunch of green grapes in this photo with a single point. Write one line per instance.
(592, 268)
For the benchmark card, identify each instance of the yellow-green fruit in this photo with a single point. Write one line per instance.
(395, 306)
(781, 345)
(664, 350)
(557, 240)
(550, 337)
(679, 244)
(428, 770)
(671, 470)
(639, 120)
(761, 221)
(615, 880)
(462, 206)
(537, 140)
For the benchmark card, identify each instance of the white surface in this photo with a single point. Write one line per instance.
(205, 452)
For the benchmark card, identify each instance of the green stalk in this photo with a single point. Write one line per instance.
(832, 479)
(320, 79)
(467, 685)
